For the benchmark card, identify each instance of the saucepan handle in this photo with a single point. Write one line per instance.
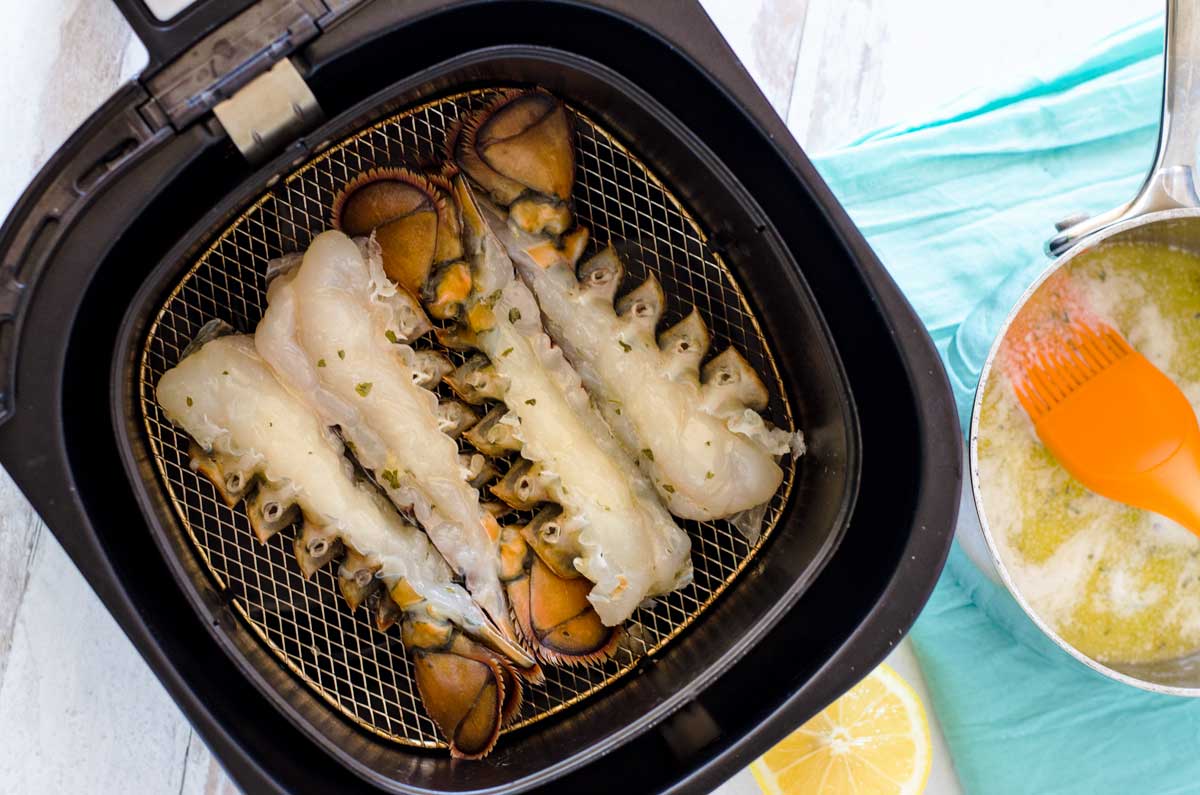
(1172, 181)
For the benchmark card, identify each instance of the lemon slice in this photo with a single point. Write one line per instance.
(874, 739)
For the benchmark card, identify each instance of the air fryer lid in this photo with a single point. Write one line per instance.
(137, 190)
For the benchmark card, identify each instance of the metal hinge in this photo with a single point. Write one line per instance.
(269, 112)
(243, 68)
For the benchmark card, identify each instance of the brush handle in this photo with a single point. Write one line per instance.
(1177, 481)
(1171, 184)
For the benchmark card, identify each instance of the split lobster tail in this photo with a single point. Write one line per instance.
(553, 612)
(328, 332)
(417, 230)
(467, 685)
(613, 531)
(519, 149)
(695, 428)
(469, 691)
(553, 617)
(225, 396)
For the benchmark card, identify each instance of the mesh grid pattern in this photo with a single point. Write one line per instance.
(359, 671)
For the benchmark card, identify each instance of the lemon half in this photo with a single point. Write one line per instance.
(874, 740)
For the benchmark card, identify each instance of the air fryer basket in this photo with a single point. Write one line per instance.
(360, 672)
(362, 675)
(107, 230)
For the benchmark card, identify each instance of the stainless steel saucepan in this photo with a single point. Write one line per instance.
(1165, 211)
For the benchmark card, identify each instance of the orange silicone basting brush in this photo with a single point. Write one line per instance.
(1114, 421)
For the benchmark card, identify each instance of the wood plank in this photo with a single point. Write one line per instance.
(73, 55)
(867, 63)
(20, 532)
(79, 709)
(765, 35)
(838, 77)
(202, 774)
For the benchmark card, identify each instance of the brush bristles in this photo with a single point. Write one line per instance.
(1066, 364)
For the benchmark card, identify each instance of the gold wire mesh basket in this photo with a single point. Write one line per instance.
(362, 673)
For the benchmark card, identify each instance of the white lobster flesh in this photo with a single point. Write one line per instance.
(228, 400)
(330, 333)
(613, 526)
(254, 431)
(707, 450)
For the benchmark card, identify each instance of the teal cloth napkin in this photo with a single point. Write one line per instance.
(958, 208)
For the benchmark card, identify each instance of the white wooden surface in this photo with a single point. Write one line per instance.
(79, 710)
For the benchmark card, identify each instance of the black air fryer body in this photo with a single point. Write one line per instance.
(146, 180)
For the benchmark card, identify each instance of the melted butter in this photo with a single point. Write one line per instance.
(1118, 583)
